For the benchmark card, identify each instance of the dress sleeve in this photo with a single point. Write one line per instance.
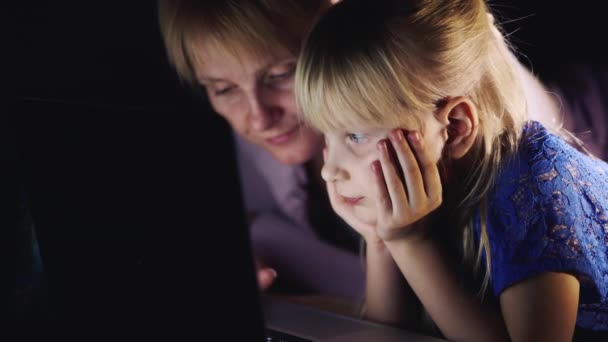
(549, 215)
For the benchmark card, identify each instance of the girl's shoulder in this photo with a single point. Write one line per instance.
(548, 173)
(551, 163)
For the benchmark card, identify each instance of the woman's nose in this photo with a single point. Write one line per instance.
(264, 111)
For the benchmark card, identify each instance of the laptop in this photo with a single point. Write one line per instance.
(142, 231)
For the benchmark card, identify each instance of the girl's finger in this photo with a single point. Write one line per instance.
(428, 168)
(394, 185)
(408, 163)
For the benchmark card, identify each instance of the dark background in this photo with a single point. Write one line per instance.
(104, 53)
(129, 146)
(111, 52)
(552, 35)
(129, 179)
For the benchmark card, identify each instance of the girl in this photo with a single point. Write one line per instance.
(461, 199)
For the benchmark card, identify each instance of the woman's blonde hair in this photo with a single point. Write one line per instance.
(387, 63)
(235, 27)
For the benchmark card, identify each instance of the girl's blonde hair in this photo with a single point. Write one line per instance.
(388, 63)
(235, 27)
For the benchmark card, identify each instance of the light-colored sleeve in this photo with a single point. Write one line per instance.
(256, 192)
(312, 263)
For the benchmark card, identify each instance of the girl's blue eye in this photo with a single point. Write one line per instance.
(357, 138)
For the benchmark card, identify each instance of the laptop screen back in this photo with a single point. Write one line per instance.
(140, 222)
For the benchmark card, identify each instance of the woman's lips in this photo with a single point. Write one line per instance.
(283, 138)
(352, 200)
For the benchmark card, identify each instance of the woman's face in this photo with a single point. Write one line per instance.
(255, 95)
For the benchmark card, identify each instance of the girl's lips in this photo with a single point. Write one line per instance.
(352, 200)
(283, 138)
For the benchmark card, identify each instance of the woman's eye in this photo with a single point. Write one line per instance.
(281, 75)
(357, 138)
(222, 91)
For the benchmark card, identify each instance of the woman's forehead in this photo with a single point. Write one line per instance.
(211, 59)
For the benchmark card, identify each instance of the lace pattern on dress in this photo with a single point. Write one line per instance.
(549, 213)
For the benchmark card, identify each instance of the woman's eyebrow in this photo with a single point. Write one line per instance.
(205, 79)
(261, 70)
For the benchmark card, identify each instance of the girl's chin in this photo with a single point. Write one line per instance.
(366, 216)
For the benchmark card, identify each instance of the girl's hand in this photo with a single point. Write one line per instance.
(401, 205)
(367, 231)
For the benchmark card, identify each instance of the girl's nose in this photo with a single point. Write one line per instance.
(331, 171)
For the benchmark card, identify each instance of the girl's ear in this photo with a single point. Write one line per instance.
(461, 115)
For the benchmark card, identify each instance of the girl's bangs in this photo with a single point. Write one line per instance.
(357, 95)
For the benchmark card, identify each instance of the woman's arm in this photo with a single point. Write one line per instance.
(301, 257)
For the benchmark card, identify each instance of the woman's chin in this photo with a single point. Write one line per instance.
(303, 147)
(294, 155)
(291, 158)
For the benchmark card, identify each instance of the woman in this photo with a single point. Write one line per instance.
(243, 53)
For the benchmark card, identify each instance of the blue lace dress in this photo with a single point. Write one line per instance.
(548, 212)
